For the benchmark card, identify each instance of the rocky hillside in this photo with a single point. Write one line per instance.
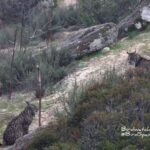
(103, 117)
(95, 95)
(92, 70)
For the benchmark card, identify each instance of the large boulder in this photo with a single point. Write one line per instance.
(90, 39)
(146, 13)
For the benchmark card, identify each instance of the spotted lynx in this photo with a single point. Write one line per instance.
(19, 125)
(137, 61)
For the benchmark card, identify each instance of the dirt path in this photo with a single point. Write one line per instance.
(94, 69)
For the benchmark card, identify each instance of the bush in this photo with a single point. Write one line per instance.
(105, 145)
(132, 34)
(43, 140)
(101, 111)
(53, 64)
(100, 11)
(65, 17)
(87, 13)
(10, 11)
(108, 106)
(6, 36)
(130, 147)
(63, 146)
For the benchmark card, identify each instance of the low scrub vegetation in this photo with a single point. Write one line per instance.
(101, 11)
(64, 17)
(99, 114)
(6, 36)
(53, 65)
(44, 139)
(40, 24)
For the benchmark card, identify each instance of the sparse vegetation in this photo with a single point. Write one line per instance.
(6, 36)
(44, 139)
(65, 17)
(93, 115)
(100, 11)
(132, 34)
(103, 109)
(53, 66)
(40, 25)
(116, 46)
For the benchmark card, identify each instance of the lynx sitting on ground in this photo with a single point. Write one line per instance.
(19, 125)
(138, 61)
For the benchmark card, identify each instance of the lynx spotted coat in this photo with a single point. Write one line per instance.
(19, 125)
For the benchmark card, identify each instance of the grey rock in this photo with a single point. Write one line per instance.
(145, 15)
(90, 39)
(106, 50)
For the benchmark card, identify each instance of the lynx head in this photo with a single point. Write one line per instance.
(32, 108)
(133, 58)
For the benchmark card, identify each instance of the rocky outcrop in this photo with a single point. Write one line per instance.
(70, 2)
(90, 39)
(146, 13)
(132, 20)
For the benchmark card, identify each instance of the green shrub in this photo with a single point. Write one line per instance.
(148, 28)
(129, 147)
(100, 11)
(117, 46)
(108, 106)
(53, 65)
(105, 145)
(132, 34)
(102, 110)
(63, 146)
(65, 17)
(43, 140)
(6, 36)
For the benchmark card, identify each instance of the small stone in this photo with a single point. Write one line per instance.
(138, 25)
(106, 50)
